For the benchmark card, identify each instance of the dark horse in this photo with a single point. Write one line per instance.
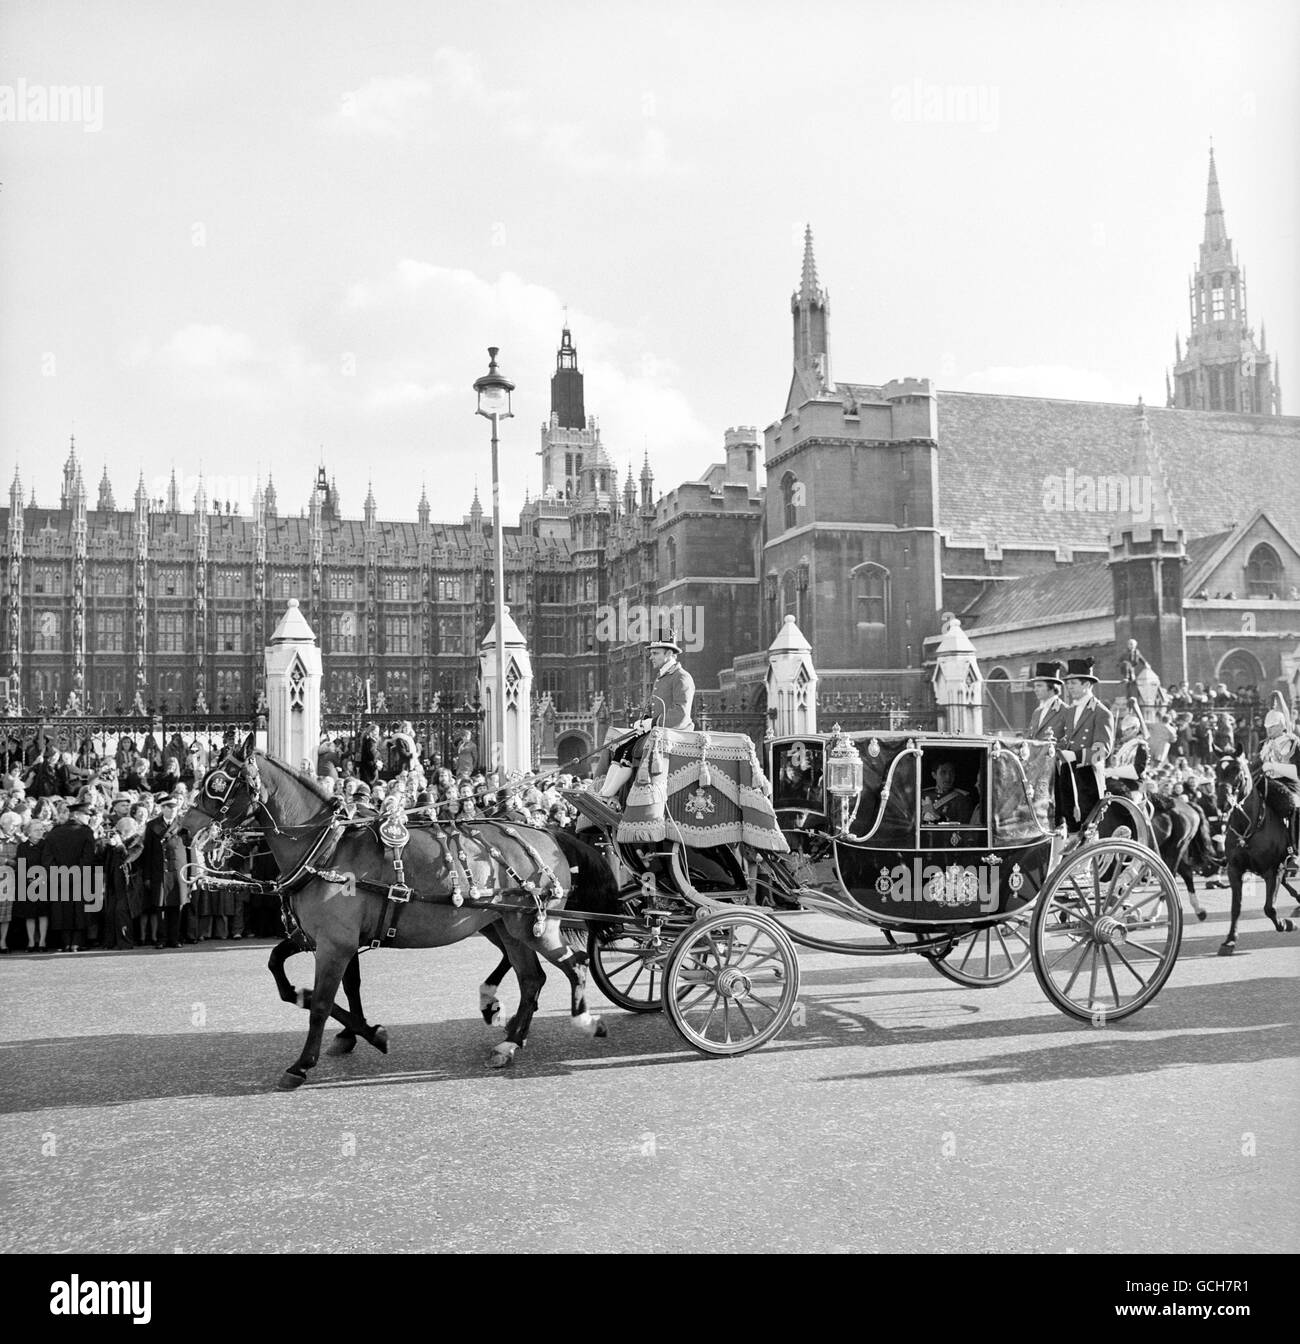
(513, 879)
(1256, 842)
(1172, 830)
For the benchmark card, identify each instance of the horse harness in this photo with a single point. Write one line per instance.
(393, 833)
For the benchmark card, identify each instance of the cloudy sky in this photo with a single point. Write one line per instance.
(263, 233)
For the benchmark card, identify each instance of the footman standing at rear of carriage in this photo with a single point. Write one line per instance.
(1051, 711)
(1089, 735)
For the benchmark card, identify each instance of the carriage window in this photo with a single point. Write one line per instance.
(1023, 796)
(952, 795)
(797, 775)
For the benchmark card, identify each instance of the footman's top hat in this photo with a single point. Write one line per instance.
(1080, 669)
(1050, 672)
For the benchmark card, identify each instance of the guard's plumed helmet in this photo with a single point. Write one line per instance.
(1274, 722)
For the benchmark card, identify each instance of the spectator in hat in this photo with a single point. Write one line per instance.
(34, 912)
(162, 864)
(70, 845)
(10, 838)
(122, 886)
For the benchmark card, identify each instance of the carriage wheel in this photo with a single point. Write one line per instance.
(1106, 931)
(988, 956)
(629, 967)
(732, 982)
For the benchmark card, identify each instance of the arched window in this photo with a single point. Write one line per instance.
(789, 495)
(789, 595)
(1263, 572)
(672, 558)
(870, 594)
(871, 613)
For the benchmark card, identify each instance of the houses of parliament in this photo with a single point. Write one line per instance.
(866, 509)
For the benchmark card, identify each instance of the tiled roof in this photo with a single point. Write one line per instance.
(995, 453)
(1084, 586)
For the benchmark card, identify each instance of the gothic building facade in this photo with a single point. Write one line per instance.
(866, 510)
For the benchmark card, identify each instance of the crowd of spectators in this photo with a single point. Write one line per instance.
(116, 819)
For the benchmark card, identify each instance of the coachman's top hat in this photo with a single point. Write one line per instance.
(1080, 669)
(669, 642)
(1050, 672)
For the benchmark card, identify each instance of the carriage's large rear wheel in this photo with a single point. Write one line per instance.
(1106, 931)
(731, 982)
(988, 956)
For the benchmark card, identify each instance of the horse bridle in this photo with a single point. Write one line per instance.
(1243, 773)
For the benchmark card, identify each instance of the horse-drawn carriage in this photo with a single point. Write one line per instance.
(980, 896)
(708, 879)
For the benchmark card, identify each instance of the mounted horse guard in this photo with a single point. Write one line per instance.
(1262, 819)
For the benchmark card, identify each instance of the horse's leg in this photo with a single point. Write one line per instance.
(1185, 872)
(345, 1042)
(1229, 944)
(281, 953)
(488, 1003)
(528, 970)
(331, 962)
(560, 954)
(1271, 883)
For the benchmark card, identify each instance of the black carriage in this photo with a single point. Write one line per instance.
(931, 843)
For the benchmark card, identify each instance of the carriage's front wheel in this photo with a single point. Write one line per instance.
(988, 956)
(731, 982)
(1106, 931)
(628, 967)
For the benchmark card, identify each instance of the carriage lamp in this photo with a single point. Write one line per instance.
(843, 774)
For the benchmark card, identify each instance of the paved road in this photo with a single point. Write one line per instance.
(907, 1114)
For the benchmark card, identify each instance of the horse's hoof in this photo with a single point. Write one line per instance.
(1287, 927)
(379, 1039)
(502, 1056)
(491, 1014)
(1227, 949)
(289, 1080)
(344, 1044)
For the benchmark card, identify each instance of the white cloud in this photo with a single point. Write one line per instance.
(400, 106)
(389, 107)
(200, 346)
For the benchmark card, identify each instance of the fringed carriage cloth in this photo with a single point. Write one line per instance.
(702, 789)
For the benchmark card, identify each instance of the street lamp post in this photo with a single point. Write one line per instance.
(494, 391)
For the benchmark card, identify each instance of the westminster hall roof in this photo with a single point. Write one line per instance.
(996, 454)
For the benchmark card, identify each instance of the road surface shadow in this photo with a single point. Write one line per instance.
(1241, 1023)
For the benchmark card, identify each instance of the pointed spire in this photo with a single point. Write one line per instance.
(1149, 486)
(370, 506)
(106, 503)
(476, 509)
(31, 502)
(173, 494)
(16, 491)
(1215, 230)
(1178, 349)
(422, 509)
(201, 496)
(268, 498)
(809, 289)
